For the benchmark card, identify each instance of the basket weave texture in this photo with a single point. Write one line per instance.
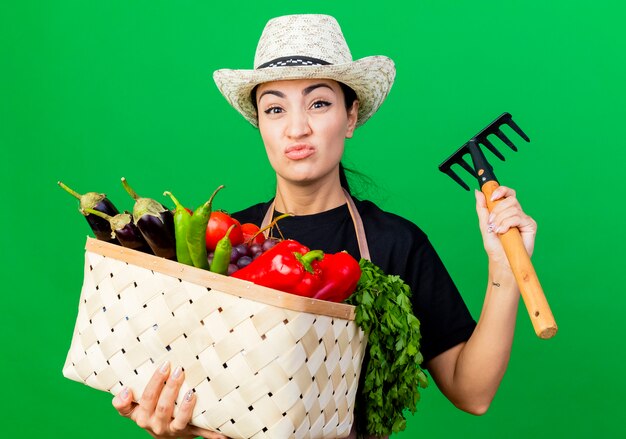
(260, 364)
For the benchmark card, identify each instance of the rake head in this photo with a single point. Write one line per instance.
(481, 169)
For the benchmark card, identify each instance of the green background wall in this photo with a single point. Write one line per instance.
(93, 91)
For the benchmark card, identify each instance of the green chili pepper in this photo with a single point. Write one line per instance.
(181, 225)
(196, 234)
(221, 257)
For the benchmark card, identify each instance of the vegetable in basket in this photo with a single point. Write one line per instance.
(124, 229)
(93, 200)
(219, 223)
(284, 267)
(251, 234)
(340, 275)
(182, 218)
(196, 234)
(156, 223)
(292, 267)
(222, 254)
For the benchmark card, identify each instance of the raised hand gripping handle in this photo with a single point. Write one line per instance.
(527, 281)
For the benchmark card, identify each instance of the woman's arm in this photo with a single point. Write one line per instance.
(470, 373)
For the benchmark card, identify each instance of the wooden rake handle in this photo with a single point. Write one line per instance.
(527, 281)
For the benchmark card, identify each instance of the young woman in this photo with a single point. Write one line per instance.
(307, 95)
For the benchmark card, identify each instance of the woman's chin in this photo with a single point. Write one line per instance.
(302, 179)
(302, 172)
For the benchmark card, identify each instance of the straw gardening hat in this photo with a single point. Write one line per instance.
(307, 46)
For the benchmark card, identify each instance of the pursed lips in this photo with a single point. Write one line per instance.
(299, 151)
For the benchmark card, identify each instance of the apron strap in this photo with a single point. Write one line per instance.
(268, 218)
(358, 226)
(356, 220)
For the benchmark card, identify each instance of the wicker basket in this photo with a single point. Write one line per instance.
(263, 363)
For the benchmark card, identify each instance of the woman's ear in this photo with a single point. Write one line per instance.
(353, 113)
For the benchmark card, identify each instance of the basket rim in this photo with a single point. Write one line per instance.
(225, 284)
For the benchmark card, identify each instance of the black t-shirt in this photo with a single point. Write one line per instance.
(398, 247)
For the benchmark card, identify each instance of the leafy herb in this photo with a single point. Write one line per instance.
(392, 375)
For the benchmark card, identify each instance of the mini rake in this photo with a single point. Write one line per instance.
(527, 281)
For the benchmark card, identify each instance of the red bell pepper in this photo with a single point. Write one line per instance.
(340, 274)
(288, 266)
(292, 267)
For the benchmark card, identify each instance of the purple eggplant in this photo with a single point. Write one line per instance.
(93, 200)
(156, 223)
(124, 229)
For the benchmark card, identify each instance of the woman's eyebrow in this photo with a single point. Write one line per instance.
(272, 92)
(310, 88)
(305, 92)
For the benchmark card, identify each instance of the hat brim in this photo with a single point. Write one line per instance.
(371, 78)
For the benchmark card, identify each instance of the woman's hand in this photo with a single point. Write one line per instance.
(155, 408)
(506, 214)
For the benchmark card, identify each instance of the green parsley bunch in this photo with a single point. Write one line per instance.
(392, 374)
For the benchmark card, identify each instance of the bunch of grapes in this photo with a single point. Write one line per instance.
(244, 253)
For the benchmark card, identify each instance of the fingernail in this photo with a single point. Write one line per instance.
(165, 367)
(177, 371)
(189, 395)
(124, 394)
(491, 218)
(497, 229)
(494, 196)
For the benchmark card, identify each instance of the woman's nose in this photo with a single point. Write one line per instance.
(298, 125)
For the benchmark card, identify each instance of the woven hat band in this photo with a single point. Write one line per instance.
(285, 61)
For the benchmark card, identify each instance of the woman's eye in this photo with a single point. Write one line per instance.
(320, 104)
(273, 110)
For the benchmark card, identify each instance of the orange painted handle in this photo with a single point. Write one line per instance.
(527, 281)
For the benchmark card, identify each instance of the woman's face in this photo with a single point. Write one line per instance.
(304, 124)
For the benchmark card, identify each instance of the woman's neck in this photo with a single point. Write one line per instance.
(308, 199)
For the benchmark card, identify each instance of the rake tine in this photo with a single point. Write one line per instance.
(517, 129)
(456, 178)
(461, 161)
(505, 139)
(493, 149)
